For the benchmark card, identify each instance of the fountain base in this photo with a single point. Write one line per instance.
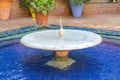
(60, 65)
(60, 60)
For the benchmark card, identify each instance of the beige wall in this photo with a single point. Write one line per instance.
(17, 11)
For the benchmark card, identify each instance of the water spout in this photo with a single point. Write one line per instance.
(61, 31)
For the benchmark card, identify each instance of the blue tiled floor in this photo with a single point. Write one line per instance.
(101, 62)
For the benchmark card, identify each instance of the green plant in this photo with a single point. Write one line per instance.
(43, 6)
(25, 3)
(79, 2)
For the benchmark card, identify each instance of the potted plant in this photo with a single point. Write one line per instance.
(42, 9)
(5, 7)
(27, 4)
(77, 7)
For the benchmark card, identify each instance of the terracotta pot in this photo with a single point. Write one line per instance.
(41, 19)
(5, 7)
(6, 0)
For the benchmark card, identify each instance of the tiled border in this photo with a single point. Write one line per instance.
(15, 33)
(99, 31)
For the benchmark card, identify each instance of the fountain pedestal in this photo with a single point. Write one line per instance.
(60, 60)
(50, 40)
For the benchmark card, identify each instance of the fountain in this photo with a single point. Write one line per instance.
(61, 42)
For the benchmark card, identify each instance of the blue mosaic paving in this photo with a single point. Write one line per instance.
(28, 29)
(17, 62)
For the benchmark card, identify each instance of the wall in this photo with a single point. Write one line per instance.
(17, 11)
(107, 8)
(63, 8)
(101, 7)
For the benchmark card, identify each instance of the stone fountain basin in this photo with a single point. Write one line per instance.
(50, 40)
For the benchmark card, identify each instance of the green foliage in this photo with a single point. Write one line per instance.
(43, 6)
(25, 3)
(78, 2)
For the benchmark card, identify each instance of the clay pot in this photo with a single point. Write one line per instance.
(5, 7)
(41, 20)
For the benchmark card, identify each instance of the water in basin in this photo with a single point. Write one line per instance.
(101, 62)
